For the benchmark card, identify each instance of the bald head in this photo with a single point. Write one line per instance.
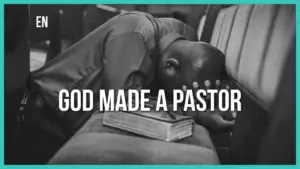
(184, 62)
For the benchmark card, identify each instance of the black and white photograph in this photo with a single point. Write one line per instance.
(205, 84)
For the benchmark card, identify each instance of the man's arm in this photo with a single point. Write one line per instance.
(127, 62)
(190, 33)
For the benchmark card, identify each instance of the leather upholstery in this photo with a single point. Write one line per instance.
(259, 43)
(217, 28)
(256, 40)
(279, 144)
(97, 144)
(107, 148)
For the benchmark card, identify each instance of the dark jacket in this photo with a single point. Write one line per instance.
(120, 54)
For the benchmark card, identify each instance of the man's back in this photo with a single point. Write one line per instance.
(117, 55)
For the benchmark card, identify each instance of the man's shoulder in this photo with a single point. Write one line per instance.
(142, 24)
(136, 14)
(170, 25)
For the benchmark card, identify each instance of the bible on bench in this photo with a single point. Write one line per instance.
(158, 125)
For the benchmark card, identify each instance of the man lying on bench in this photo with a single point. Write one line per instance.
(130, 51)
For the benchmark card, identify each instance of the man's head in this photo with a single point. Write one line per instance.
(185, 62)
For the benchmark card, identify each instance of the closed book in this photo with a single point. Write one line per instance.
(158, 125)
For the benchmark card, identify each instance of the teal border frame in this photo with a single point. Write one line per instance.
(3, 2)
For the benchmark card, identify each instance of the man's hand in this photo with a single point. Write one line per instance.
(216, 121)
